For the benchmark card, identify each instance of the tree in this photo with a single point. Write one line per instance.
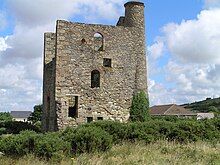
(140, 107)
(5, 116)
(213, 109)
(37, 114)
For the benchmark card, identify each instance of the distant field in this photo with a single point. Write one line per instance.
(161, 153)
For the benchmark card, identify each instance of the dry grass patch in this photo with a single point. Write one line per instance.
(159, 153)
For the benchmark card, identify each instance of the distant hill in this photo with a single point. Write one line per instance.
(208, 105)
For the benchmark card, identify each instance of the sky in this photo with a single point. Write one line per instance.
(183, 46)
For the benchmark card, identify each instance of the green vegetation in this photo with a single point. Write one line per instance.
(15, 127)
(88, 139)
(161, 152)
(7, 126)
(208, 105)
(5, 116)
(37, 114)
(101, 136)
(139, 108)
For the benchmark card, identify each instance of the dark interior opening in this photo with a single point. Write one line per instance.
(99, 118)
(48, 113)
(107, 62)
(83, 41)
(95, 79)
(89, 119)
(73, 107)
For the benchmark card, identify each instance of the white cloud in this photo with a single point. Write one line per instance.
(41, 12)
(193, 68)
(159, 94)
(26, 43)
(18, 90)
(3, 45)
(196, 40)
(186, 83)
(3, 21)
(110, 9)
(194, 46)
(156, 50)
(212, 3)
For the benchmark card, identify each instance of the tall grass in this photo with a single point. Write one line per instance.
(161, 152)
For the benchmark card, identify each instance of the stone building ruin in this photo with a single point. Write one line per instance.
(91, 71)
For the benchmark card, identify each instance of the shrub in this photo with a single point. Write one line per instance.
(2, 131)
(20, 144)
(139, 107)
(51, 145)
(99, 136)
(5, 116)
(119, 131)
(181, 130)
(90, 139)
(139, 132)
(15, 127)
(37, 114)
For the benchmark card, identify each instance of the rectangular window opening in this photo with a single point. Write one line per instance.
(99, 118)
(107, 62)
(89, 119)
(73, 107)
(47, 113)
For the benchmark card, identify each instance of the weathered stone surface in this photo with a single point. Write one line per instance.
(72, 53)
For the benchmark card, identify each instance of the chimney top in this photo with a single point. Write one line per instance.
(134, 3)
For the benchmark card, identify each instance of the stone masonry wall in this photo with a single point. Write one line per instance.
(75, 62)
(69, 73)
(48, 117)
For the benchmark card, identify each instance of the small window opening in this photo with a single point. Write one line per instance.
(98, 42)
(48, 104)
(107, 62)
(99, 118)
(95, 79)
(89, 119)
(47, 113)
(73, 107)
(83, 41)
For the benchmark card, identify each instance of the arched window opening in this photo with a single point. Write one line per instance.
(95, 79)
(99, 42)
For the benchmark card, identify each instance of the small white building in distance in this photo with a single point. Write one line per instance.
(20, 115)
(205, 116)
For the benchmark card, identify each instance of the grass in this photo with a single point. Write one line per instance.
(159, 153)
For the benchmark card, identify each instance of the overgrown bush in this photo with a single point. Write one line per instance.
(19, 145)
(151, 130)
(118, 130)
(5, 116)
(2, 131)
(99, 136)
(90, 139)
(139, 110)
(51, 145)
(15, 127)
